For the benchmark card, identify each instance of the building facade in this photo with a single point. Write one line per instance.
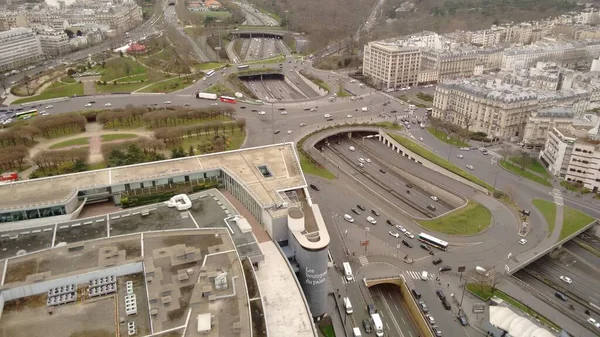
(54, 43)
(19, 47)
(557, 151)
(391, 66)
(541, 122)
(584, 165)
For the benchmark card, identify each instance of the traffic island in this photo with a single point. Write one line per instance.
(469, 220)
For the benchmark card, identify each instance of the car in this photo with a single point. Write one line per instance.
(371, 309)
(211, 104)
(254, 110)
(390, 222)
(436, 330)
(289, 132)
(367, 160)
(315, 187)
(186, 104)
(302, 124)
(523, 241)
(462, 320)
(470, 167)
(423, 307)
(167, 102)
(284, 112)
(355, 211)
(242, 107)
(348, 116)
(371, 220)
(446, 305)
(424, 246)
(421, 139)
(394, 234)
(348, 218)
(436, 261)
(367, 325)
(88, 105)
(277, 132)
(445, 268)
(107, 104)
(400, 228)
(440, 294)
(375, 212)
(430, 319)
(261, 113)
(465, 148)
(406, 243)
(525, 212)
(361, 207)
(561, 296)
(92, 102)
(593, 322)
(459, 156)
(281, 109)
(409, 185)
(361, 160)
(434, 198)
(566, 279)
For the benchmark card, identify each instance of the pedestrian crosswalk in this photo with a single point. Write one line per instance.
(558, 199)
(416, 275)
(363, 260)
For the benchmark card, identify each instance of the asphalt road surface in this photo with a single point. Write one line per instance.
(394, 314)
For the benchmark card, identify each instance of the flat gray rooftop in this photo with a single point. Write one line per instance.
(280, 159)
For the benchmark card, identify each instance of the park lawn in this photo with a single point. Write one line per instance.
(548, 210)
(67, 79)
(171, 85)
(236, 139)
(509, 166)
(309, 168)
(118, 88)
(71, 142)
(424, 97)
(121, 67)
(218, 15)
(389, 125)
(534, 166)
(117, 136)
(55, 90)
(486, 292)
(443, 137)
(208, 66)
(573, 221)
(434, 158)
(133, 78)
(469, 220)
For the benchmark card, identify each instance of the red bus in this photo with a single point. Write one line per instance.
(8, 177)
(228, 99)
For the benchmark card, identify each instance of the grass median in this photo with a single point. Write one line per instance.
(55, 90)
(469, 220)
(71, 142)
(310, 168)
(443, 137)
(574, 220)
(117, 136)
(434, 158)
(548, 210)
(509, 166)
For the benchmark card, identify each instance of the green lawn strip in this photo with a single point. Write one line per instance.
(67, 79)
(389, 125)
(133, 78)
(271, 14)
(548, 210)
(55, 90)
(342, 93)
(71, 142)
(424, 97)
(434, 158)
(117, 136)
(509, 166)
(274, 59)
(309, 168)
(235, 140)
(469, 220)
(96, 166)
(219, 15)
(208, 65)
(121, 67)
(534, 166)
(220, 89)
(118, 88)
(443, 137)
(485, 292)
(573, 221)
(170, 85)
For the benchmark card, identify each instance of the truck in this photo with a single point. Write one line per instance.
(206, 95)
(378, 324)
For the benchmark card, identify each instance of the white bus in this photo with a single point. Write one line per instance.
(210, 73)
(433, 241)
(243, 66)
(348, 271)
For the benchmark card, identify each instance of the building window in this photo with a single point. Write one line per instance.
(264, 170)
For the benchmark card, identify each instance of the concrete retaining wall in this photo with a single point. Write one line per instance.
(390, 142)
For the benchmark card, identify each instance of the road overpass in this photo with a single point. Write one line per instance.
(260, 32)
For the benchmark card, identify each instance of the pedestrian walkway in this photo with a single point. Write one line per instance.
(363, 260)
(558, 199)
(416, 275)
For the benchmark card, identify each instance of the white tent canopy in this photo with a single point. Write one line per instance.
(515, 325)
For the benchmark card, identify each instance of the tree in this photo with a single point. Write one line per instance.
(79, 33)
(524, 160)
(27, 83)
(69, 33)
(177, 152)
(191, 150)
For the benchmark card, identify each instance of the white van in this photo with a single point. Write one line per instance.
(348, 218)
(424, 275)
(351, 148)
(356, 332)
(364, 109)
(348, 306)
(348, 271)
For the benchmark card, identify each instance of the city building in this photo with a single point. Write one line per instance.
(54, 43)
(267, 181)
(10, 20)
(392, 65)
(450, 64)
(485, 105)
(557, 151)
(19, 47)
(568, 54)
(541, 122)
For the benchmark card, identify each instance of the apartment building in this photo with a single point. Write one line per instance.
(541, 122)
(10, 20)
(450, 64)
(19, 47)
(485, 105)
(569, 54)
(584, 164)
(557, 151)
(392, 65)
(54, 43)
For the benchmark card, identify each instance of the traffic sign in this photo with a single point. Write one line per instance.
(364, 243)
